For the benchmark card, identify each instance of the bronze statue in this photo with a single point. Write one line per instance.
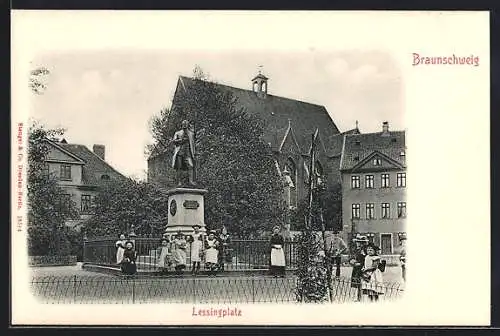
(183, 158)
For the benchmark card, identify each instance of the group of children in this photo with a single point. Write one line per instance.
(210, 249)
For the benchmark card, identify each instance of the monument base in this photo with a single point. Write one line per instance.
(186, 208)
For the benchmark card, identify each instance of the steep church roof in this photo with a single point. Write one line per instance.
(276, 112)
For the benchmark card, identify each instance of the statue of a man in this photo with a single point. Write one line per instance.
(183, 158)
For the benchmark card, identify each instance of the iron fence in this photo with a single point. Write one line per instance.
(199, 290)
(242, 254)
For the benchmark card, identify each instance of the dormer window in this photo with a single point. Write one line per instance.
(402, 154)
(358, 143)
(377, 162)
(394, 140)
(105, 177)
(356, 158)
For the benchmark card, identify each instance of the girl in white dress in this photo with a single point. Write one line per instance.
(211, 253)
(163, 254)
(179, 255)
(120, 248)
(371, 276)
(196, 240)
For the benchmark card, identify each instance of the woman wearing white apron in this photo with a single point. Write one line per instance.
(211, 253)
(196, 240)
(277, 254)
(120, 248)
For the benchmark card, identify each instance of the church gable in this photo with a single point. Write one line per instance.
(376, 161)
(58, 154)
(289, 142)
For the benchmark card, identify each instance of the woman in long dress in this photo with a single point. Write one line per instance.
(196, 240)
(163, 254)
(357, 261)
(120, 248)
(224, 250)
(277, 254)
(179, 255)
(129, 258)
(211, 253)
(372, 278)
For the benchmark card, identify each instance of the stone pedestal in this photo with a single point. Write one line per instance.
(185, 209)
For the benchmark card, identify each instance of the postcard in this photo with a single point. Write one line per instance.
(250, 168)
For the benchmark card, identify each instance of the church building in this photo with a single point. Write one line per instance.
(289, 123)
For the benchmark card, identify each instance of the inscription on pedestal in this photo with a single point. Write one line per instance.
(188, 204)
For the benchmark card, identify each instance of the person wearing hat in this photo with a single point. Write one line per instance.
(357, 261)
(372, 279)
(402, 256)
(211, 253)
(179, 246)
(277, 241)
(128, 265)
(196, 241)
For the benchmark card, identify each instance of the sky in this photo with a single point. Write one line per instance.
(108, 96)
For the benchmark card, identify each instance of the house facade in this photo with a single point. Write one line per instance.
(373, 173)
(290, 125)
(79, 172)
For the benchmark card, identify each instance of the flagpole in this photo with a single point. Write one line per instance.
(311, 169)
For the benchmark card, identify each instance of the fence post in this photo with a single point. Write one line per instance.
(194, 290)
(133, 290)
(74, 288)
(253, 290)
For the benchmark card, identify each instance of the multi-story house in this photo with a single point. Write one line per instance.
(373, 172)
(80, 172)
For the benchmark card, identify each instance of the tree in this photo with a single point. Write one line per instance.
(37, 80)
(327, 206)
(47, 210)
(245, 192)
(123, 203)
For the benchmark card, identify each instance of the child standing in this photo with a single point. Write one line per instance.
(164, 256)
(371, 277)
(196, 240)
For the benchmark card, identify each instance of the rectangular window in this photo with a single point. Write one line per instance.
(355, 210)
(370, 211)
(65, 172)
(401, 180)
(386, 210)
(355, 181)
(86, 205)
(401, 209)
(384, 181)
(369, 181)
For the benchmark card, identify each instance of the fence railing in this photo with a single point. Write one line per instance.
(241, 254)
(135, 290)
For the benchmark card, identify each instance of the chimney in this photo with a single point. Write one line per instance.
(99, 150)
(385, 128)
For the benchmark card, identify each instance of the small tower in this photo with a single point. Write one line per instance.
(259, 84)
